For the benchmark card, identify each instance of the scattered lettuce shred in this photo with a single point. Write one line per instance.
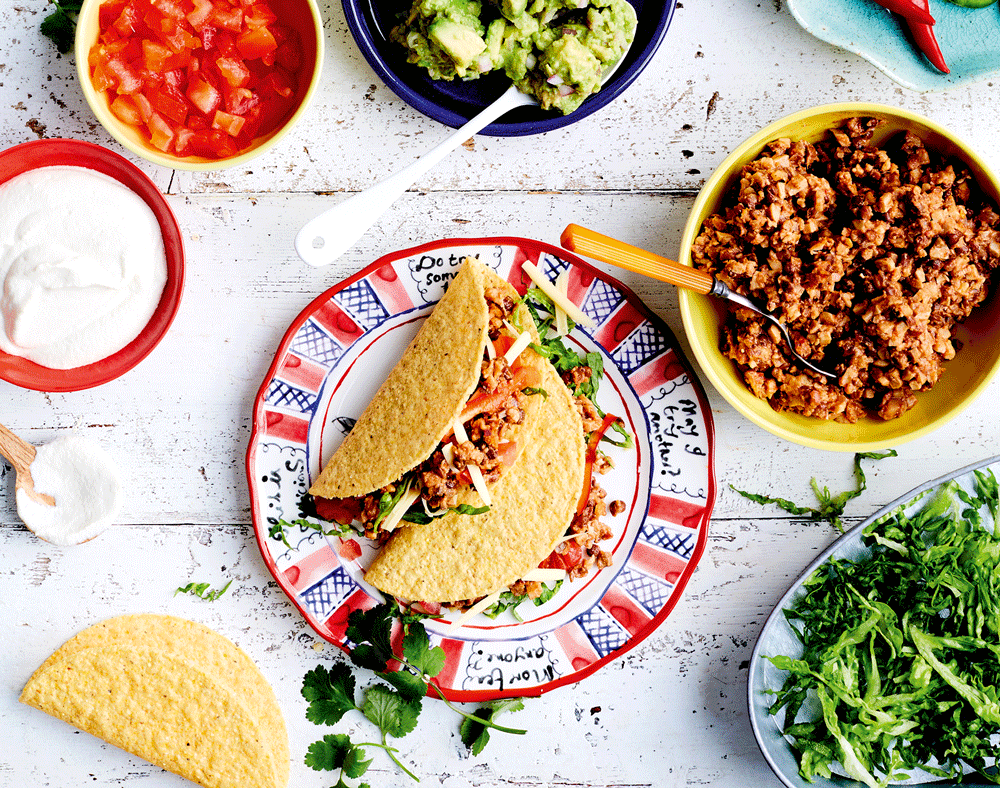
(900, 664)
(831, 507)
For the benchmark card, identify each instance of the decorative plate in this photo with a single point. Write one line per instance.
(777, 637)
(453, 102)
(969, 39)
(332, 360)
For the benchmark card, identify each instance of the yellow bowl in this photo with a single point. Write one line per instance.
(965, 376)
(302, 15)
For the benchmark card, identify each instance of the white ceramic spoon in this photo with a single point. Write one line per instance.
(21, 454)
(326, 237)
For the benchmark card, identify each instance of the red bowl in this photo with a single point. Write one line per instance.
(55, 152)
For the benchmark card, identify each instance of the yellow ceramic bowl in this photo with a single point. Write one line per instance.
(302, 15)
(965, 376)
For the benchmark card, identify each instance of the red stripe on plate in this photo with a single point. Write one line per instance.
(657, 563)
(289, 428)
(453, 659)
(301, 373)
(576, 646)
(657, 372)
(674, 510)
(386, 283)
(337, 322)
(578, 285)
(622, 322)
(625, 610)
(311, 569)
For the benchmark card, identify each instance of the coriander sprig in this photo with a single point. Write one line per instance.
(60, 25)
(393, 709)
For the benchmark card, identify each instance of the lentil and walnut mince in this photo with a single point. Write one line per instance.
(870, 255)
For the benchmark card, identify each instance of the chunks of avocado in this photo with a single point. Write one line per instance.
(556, 50)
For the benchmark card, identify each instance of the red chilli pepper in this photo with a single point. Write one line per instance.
(917, 14)
(910, 9)
(923, 37)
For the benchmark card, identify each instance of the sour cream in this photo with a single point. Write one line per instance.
(81, 263)
(83, 480)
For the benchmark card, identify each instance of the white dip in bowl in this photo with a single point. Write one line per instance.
(82, 266)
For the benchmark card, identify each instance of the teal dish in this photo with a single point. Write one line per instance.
(969, 39)
(777, 637)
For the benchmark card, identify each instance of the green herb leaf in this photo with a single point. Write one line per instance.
(422, 518)
(60, 26)
(330, 693)
(390, 712)
(333, 751)
(474, 732)
(371, 630)
(418, 652)
(201, 591)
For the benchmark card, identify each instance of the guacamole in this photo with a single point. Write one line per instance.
(555, 50)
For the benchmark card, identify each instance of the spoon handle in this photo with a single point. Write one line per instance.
(326, 237)
(632, 258)
(18, 452)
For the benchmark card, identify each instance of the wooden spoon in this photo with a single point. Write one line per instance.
(21, 454)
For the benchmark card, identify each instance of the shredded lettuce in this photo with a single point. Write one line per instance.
(900, 664)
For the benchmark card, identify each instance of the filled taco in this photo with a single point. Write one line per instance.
(460, 557)
(448, 421)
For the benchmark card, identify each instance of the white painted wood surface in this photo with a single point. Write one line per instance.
(673, 711)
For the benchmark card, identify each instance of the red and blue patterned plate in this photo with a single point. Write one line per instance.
(332, 360)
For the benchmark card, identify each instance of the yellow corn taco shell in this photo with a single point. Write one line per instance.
(457, 557)
(172, 692)
(426, 391)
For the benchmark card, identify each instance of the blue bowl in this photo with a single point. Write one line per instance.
(455, 102)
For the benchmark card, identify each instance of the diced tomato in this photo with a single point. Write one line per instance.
(161, 132)
(239, 101)
(203, 94)
(588, 471)
(201, 77)
(168, 102)
(182, 140)
(234, 71)
(127, 78)
(570, 556)
(261, 16)
(507, 453)
(231, 124)
(279, 82)
(349, 549)
(200, 14)
(126, 110)
(228, 17)
(127, 22)
(338, 510)
(254, 43)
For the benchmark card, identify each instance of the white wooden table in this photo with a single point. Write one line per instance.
(670, 713)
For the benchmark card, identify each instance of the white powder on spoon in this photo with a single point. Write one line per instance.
(84, 481)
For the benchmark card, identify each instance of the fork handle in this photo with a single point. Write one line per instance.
(632, 258)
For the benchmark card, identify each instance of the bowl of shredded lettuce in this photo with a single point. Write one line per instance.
(881, 664)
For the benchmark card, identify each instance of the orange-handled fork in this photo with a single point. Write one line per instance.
(640, 261)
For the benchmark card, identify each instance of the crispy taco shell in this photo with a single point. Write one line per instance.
(458, 557)
(426, 391)
(172, 692)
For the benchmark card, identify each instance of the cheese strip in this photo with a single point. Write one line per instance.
(474, 473)
(558, 298)
(562, 319)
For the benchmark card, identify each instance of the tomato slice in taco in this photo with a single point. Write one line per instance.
(450, 418)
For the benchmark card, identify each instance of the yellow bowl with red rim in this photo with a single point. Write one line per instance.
(966, 375)
(301, 16)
